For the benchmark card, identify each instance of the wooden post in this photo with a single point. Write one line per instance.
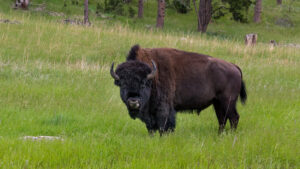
(250, 39)
(272, 44)
(22, 4)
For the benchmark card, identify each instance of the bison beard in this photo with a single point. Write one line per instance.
(155, 83)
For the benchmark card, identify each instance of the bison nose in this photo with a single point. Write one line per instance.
(133, 103)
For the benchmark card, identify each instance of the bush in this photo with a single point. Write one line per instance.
(168, 4)
(119, 10)
(99, 8)
(114, 6)
(75, 2)
(182, 6)
(239, 9)
(131, 12)
(220, 9)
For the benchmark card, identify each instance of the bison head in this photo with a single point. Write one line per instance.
(135, 80)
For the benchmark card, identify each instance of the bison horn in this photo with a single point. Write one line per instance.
(152, 74)
(112, 72)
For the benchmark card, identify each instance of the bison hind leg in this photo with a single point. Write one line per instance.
(233, 118)
(232, 114)
(226, 109)
(221, 114)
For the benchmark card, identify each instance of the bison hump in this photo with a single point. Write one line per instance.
(133, 52)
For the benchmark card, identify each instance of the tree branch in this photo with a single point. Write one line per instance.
(221, 7)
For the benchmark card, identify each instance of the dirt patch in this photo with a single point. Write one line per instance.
(284, 22)
(75, 21)
(39, 138)
(42, 8)
(7, 21)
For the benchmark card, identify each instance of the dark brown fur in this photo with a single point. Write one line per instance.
(192, 81)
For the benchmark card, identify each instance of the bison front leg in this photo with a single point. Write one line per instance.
(165, 119)
(151, 126)
(151, 132)
(171, 123)
(162, 123)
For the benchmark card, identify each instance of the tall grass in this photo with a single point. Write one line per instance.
(54, 80)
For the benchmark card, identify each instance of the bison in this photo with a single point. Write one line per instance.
(156, 83)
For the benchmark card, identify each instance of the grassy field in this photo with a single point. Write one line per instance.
(54, 80)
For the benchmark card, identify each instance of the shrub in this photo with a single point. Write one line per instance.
(220, 9)
(99, 8)
(182, 6)
(75, 2)
(239, 9)
(131, 12)
(119, 10)
(114, 6)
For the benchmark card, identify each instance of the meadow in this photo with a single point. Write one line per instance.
(55, 81)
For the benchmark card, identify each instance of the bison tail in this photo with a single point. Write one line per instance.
(243, 93)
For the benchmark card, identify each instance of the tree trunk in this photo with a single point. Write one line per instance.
(204, 15)
(257, 11)
(86, 12)
(141, 9)
(279, 2)
(160, 14)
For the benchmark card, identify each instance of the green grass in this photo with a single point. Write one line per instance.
(54, 80)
